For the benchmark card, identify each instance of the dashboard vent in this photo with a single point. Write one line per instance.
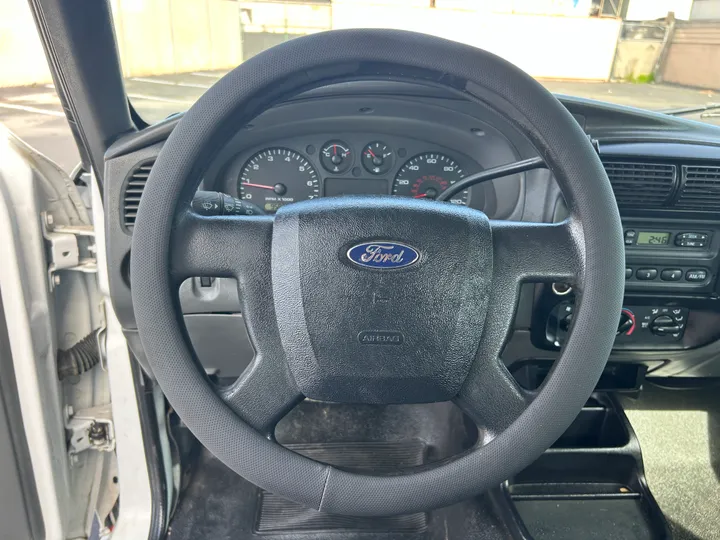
(133, 191)
(641, 185)
(701, 189)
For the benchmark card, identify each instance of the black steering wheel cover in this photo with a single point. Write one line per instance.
(306, 62)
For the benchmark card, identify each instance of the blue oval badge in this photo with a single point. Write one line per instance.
(383, 255)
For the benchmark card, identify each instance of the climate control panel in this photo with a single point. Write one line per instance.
(637, 325)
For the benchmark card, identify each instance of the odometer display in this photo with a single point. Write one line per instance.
(275, 177)
(427, 175)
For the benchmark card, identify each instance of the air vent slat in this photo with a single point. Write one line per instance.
(701, 188)
(132, 192)
(641, 185)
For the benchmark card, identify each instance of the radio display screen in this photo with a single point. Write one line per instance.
(653, 238)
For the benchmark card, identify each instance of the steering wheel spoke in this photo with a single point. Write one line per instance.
(492, 397)
(263, 394)
(266, 391)
(536, 251)
(522, 252)
(219, 246)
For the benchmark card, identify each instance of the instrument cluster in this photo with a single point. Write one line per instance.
(294, 170)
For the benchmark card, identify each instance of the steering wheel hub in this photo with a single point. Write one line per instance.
(328, 308)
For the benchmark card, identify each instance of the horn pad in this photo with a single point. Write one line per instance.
(380, 299)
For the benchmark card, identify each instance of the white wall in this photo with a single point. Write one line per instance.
(705, 10)
(172, 36)
(22, 59)
(649, 10)
(547, 47)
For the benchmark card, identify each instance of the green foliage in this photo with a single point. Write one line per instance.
(641, 79)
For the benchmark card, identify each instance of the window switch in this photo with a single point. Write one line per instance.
(206, 281)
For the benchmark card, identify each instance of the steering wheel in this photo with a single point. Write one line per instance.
(424, 321)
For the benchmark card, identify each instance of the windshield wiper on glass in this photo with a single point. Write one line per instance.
(697, 109)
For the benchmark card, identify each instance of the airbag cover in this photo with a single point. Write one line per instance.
(390, 332)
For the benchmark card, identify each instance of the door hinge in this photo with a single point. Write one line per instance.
(72, 247)
(89, 429)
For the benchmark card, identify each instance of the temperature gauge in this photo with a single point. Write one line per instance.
(336, 157)
(377, 158)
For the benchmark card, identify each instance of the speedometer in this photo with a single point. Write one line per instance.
(427, 175)
(275, 177)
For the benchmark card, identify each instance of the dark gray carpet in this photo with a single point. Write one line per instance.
(679, 432)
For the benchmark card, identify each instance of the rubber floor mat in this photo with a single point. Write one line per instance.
(277, 514)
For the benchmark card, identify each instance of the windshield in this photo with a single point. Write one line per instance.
(629, 53)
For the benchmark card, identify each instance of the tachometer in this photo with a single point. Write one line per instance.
(427, 175)
(275, 177)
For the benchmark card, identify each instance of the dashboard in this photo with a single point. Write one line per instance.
(330, 165)
(400, 139)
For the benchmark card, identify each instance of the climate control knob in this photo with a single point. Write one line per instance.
(664, 325)
(626, 326)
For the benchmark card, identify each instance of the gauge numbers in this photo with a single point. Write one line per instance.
(427, 175)
(278, 176)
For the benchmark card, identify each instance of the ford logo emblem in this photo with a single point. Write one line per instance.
(383, 255)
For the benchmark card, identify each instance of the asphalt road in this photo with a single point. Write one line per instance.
(35, 114)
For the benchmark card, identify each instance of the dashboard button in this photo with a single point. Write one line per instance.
(646, 274)
(671, 274)
(696, 275)
(628, 273)
(691, 239)
(630, 237)
(692, 243)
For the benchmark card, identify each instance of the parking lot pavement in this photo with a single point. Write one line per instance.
(35, 114)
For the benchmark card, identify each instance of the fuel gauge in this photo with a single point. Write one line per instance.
(336, 157)
(377, 158)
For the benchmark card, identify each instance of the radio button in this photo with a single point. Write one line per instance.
(646, 274)
(693, 243)
(671, 274)
(691, 239)
(696, 275)
(630, 237)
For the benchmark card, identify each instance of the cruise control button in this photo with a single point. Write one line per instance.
(671, 274)
(646, 274)
(696, 275)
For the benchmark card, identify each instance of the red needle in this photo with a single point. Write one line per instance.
(371, 152)
(248, 184)
(334, 150)
(420, 196)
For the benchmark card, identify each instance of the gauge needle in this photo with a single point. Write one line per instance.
(422, 195)
(248, 184)
(371, 152)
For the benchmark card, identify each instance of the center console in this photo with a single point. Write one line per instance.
(663, 256)
(671, 269)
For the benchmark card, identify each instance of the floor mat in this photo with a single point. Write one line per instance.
(679, 432)
(220, 505)
(277, 514)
